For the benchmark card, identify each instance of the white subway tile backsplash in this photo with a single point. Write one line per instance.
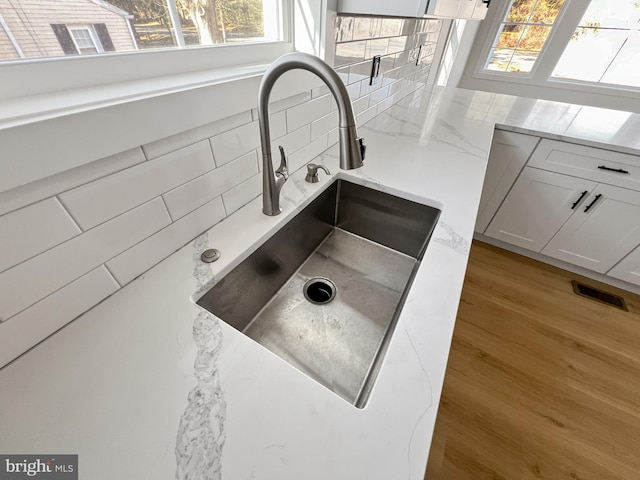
(278, 124)
(235, 143)
(292, 101)
(32, 230)
(384, 104)
(323, 125)
(359, 71)
(180, 140)
(141, 257)
(242, 194)
(29, 282)
(307, 153)
(362, 28)
(391, 27)
(351, 52)
(99, 201)
(291, 142)
(397, 44)
(365, 88)
(367, 115)
(333, 137)
(378, 46)
(320, 91)
(308, 112)
(37, 322)
(354, 91)
(361, 105)
(343, 73)
(379, 95)
(195, 193)
(344, 28)
(47, 187)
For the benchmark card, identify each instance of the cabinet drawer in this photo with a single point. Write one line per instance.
(595, 164)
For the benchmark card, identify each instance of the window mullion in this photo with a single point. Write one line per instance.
(559, 39)
(175, 21)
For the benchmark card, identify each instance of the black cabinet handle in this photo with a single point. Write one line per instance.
(487, 2)
(609, 169)
(575, 204)
(592, 203)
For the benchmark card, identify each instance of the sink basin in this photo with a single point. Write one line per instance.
(324, 292)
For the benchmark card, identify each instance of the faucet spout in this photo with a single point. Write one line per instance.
(352, 147)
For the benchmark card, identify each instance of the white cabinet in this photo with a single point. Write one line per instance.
(628, 269)
(509, 152)
(598, 164)
(603, 230)
(469, 9)
(538, 204)
(399, 8)
(572, 202)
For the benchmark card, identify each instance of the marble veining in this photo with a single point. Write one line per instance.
(427, 407)
(201, 435)
(454, 242)
(460, 142)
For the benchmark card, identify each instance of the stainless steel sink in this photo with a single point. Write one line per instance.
(324, 293)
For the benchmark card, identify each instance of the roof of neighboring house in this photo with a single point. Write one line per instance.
(112, 8)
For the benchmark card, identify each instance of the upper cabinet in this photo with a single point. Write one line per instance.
(467, 9)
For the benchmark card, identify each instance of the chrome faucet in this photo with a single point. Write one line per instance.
(352, 148)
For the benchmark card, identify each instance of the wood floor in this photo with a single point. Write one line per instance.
(541, 383)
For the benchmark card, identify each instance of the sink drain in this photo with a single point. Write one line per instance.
(319, 290)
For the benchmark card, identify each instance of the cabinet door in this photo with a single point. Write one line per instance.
(539, 203)
(509, 152)
(399, 8)
(628, 269)
(598, 238)
(480, 10)
(444, 8)
(466, 8)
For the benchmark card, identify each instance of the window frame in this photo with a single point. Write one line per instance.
(540, 75)
(85, 81)
(92, 35)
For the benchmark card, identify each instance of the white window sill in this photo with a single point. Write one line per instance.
(20, 111)
(27, 107)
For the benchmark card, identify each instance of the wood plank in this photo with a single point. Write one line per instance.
(541, 383)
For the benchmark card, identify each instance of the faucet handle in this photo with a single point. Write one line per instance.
(283, 169)
(312, 172)
(363, 147)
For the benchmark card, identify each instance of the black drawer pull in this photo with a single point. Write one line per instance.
(575, 204)
(592, 203)
(609, 169)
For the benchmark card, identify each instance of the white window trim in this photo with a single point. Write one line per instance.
(540, 76)
(92, 35)
(76, 84)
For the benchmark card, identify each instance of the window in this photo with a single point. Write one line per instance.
(565, 42)
(49, 28)
(83, 38)
(608, 35)
(522, 35)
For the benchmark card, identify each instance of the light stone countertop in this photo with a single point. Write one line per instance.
(118, 385)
